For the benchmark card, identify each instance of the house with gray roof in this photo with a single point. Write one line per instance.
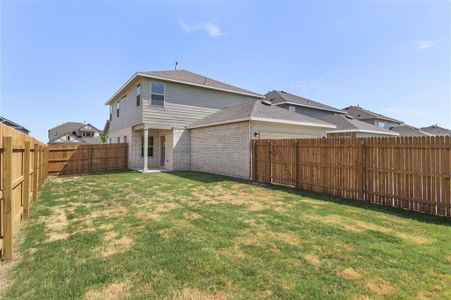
(436, 130)
(14, 125)
(371, 117)
(408, 130)
(180, 120)
(74, 133)
(345, 125)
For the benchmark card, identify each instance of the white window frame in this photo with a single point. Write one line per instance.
(152, 93)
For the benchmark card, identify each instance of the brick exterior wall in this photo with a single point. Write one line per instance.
(181, 149)
(223, 149)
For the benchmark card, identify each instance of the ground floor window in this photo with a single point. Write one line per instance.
(149, 146)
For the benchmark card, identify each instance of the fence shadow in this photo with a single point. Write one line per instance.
(399, 212)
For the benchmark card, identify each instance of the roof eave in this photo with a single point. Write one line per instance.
(309, 106)
(364, 131)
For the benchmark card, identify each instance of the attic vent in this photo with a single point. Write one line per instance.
(266, 102)
(283, 92)
(349, 117)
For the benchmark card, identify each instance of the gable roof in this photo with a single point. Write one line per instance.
(68, 127)
(14, 125)
(281, 97)
(258, 111)
(408, 130)
(347, 123)
(189, 78)
(436, 130)
(364, 114)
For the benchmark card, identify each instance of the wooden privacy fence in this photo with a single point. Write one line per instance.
(22, 172)
(412, 173)
(84, 159)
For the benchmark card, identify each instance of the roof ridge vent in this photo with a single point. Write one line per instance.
(266, 102)
(349, 117)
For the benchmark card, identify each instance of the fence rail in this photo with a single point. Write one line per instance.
(412, 173)
(84, 159)
(22, 172)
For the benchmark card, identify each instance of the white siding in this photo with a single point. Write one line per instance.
(185, 104)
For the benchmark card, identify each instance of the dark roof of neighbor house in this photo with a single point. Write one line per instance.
(364, 114)
(258, 111)
(408, 130)
(189, 78)
(68, 127)
(346, 123)
(281, 97)
(436, 130)
(14, 125)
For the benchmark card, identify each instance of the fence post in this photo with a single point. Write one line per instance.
(35, 171)
(296, 167)
(26, 181)
(361, 170)
(7, 198)
(270, 161)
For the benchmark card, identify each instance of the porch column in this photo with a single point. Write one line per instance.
(146, 145)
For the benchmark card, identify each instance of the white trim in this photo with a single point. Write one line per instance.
(268, 120)
(182, 82)
(363, 131)
(309, 106)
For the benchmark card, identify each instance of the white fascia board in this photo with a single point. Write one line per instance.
(363, 131)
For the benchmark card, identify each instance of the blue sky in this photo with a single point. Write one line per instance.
(60, 61)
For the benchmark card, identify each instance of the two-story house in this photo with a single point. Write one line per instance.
(345, 124)
(371, 117)
(179, 120)
(74, 133)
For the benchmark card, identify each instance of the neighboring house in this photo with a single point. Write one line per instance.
(300, 104)
(408, 130)
(157, 112)
(345, 125)
(14, 125)
(348, 126)
(371, 117)
(74, 133)
(436, 130)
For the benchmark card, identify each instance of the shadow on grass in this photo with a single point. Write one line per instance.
(417, 216)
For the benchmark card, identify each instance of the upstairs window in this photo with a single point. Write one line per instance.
(381, 124)
(138, 94)
(157, 94)
(117, 108)
(111, 112)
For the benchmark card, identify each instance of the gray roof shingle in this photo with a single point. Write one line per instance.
(280, 97)
(436, 130)
(363, 114)
(258, 111)
(408, 130)
(348, 123)
(191, 78)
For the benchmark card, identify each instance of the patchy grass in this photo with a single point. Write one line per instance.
(200, 236)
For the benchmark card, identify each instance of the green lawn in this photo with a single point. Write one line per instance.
(199, 236)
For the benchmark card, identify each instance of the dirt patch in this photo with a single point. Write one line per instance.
(380, 287)
(56, 224)
(111, 292)
(349, 274)
(264, 236)
(313, 260)
(113, 245)
(360, 227)
(196, 294)
(232, 253)
(166, 233)
(146, 216)
(191, 216)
